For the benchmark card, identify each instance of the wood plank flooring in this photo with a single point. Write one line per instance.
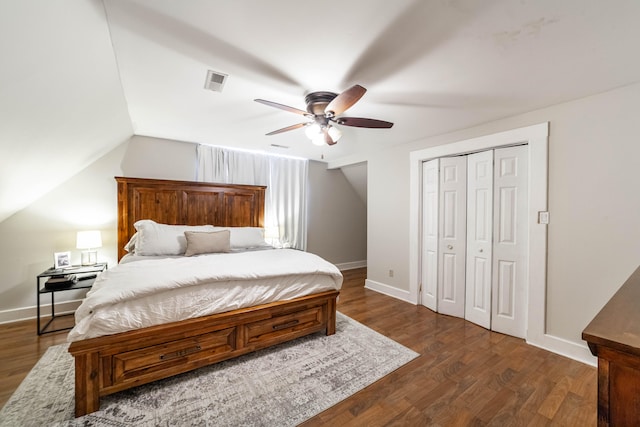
(464, 376)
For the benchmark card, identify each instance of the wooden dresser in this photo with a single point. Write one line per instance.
(614, 337)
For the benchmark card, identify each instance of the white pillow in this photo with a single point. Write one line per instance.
(245, 237)
(163, 239)
(131, 244)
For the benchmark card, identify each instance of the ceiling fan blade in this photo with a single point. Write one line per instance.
(288, 128)
(327, 137)
(283, 107)
(345, 100)
(363, 123)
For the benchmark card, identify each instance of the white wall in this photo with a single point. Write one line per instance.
(356, 174)
(594, 202)
(388, 218)
(337, 218)
(158, 158)
(28, 239)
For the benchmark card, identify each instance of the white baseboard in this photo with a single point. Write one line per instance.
(388, 290)
(351, 265)
(547, 342)
(565, 348)
(26, 313)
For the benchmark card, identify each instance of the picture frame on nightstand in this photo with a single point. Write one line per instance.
(61, 260)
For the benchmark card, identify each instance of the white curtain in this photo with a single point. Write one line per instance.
(285, 215)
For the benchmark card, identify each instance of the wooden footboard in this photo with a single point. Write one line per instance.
(113, 363)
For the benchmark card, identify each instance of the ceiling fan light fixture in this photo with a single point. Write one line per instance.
(316, 133)
(334, 133)
(323, 108)
(313, 130)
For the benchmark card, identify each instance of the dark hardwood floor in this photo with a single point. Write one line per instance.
(465, 375)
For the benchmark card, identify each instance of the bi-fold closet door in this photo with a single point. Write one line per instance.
(475, 238)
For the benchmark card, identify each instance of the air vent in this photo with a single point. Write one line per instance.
(215, 81)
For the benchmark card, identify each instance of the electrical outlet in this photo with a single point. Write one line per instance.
(543, 217)
(390, 273)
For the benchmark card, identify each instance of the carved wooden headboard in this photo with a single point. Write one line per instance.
(186, 203)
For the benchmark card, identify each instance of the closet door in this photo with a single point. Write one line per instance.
(430, 180)
(479, 238)
(510, 241)
(451, 247)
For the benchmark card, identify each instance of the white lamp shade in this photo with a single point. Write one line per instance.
(335, 133)
(313, 131)
(89, 239)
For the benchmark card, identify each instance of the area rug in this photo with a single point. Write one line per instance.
(280, 386)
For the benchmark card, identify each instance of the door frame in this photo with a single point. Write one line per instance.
(536, 137)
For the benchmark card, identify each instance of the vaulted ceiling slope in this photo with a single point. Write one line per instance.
(61, 101)
(80, 77)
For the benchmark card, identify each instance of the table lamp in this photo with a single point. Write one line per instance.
(90, 241)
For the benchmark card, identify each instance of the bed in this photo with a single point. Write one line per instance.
(106, 364)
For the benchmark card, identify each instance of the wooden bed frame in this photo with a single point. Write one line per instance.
(113, 363)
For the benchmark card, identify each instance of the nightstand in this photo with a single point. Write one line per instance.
(81, 271)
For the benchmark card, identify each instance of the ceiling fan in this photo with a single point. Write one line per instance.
(323, 108)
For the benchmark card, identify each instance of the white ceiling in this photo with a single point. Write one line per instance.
(429, 66)
(79, 78)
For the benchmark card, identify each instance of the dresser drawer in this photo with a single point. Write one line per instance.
(278, 327)
(166, 357)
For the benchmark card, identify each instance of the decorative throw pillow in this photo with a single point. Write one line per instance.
(201, 242)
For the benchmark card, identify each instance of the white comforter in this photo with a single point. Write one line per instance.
(151, 292)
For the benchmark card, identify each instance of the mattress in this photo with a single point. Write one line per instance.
(148, 291)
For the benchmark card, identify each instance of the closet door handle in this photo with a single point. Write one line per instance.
(449, 247)
(481, 250)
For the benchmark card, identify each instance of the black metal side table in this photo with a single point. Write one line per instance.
(86, 275)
